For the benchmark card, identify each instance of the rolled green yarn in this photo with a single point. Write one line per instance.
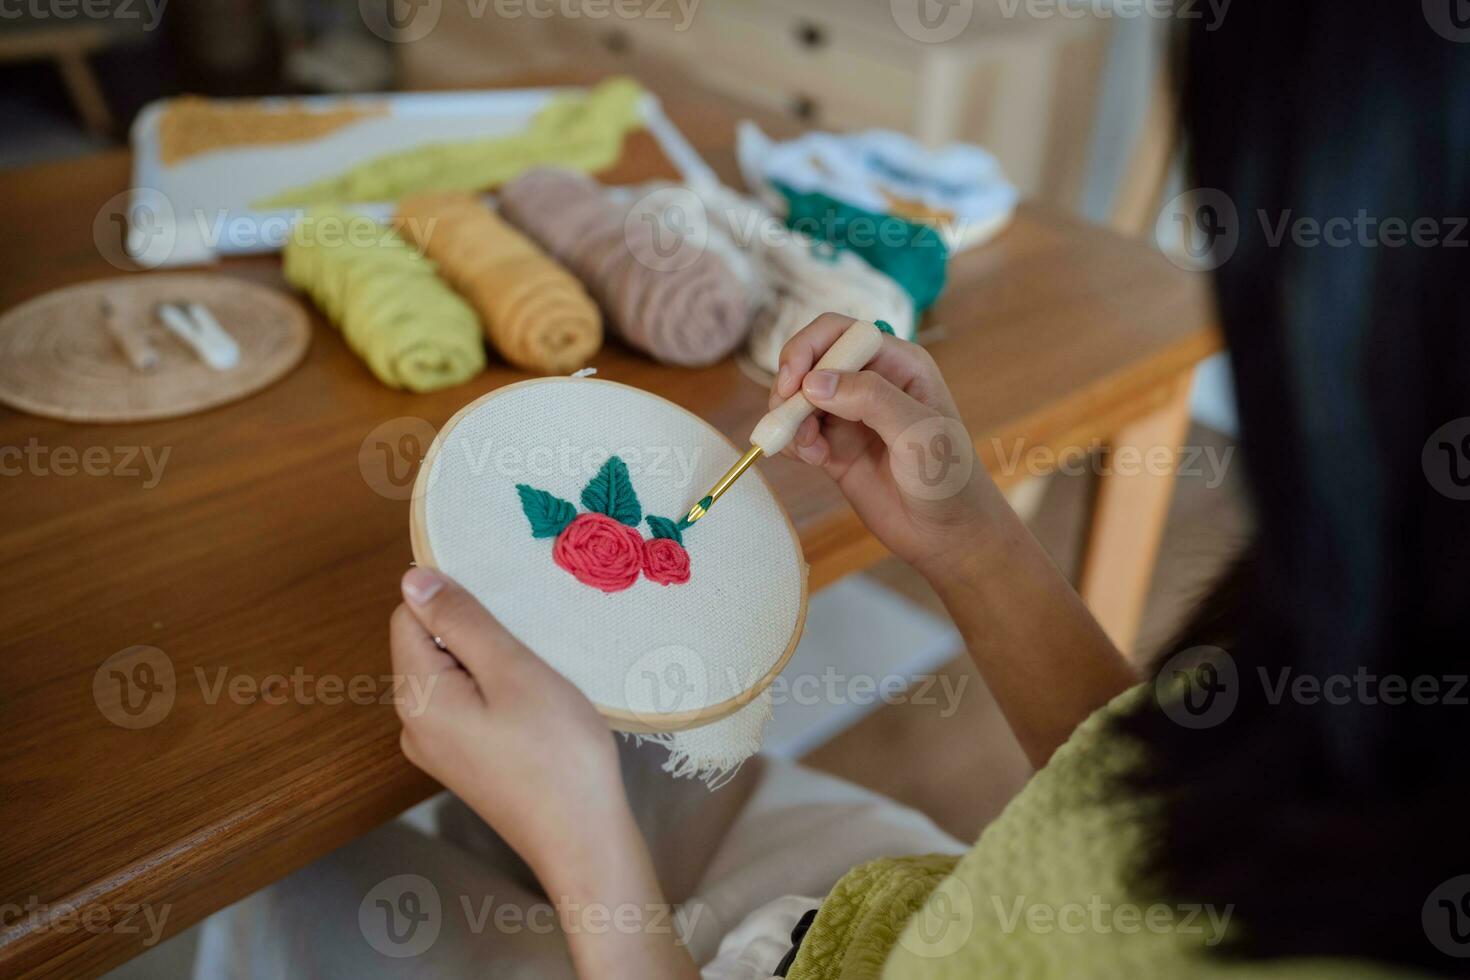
(411, 329)
(913, 255)
(578, 131)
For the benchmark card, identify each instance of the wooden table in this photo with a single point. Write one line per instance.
(264, 554)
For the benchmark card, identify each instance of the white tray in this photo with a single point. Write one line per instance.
(199, 208)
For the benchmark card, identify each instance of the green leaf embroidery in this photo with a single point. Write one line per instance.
(610, 492)
(548, 515)
(662, 527)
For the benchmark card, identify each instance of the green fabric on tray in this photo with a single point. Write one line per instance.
(577, 131)
(913, 255)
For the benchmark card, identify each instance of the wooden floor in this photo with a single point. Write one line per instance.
(963, 768)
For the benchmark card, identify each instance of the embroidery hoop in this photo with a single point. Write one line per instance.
(621, 719)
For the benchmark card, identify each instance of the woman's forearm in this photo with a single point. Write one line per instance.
(1041, 652)
(611, 907)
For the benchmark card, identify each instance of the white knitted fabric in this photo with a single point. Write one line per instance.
(805, 278)
(650, 649)
(876, 170)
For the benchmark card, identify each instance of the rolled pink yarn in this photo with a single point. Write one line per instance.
(690, 315)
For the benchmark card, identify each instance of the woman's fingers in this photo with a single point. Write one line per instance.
(423, 673)
(865, 397)
(808, 433)
(816, 451)
(804, 349)
(906, 365)
(445, 610)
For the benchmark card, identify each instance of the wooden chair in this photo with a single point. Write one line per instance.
(69, 46)
(1140, 193)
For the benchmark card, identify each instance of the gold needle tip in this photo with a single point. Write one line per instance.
(698, 510)
(741, 465)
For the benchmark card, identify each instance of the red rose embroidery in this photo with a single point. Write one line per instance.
(665, 561)
(601, 552)
(602, 548)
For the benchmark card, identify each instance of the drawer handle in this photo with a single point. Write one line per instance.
(810, 35)
(804, 107)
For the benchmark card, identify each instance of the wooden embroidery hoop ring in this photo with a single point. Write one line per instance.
(620, 719)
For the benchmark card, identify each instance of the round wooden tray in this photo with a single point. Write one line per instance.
(57, 359)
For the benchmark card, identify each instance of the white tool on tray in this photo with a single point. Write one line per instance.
(197, 327)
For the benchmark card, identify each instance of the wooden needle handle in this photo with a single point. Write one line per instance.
(852, 352)
(130, 339)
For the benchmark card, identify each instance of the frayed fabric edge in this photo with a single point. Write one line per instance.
(681, 765)
(713, 753)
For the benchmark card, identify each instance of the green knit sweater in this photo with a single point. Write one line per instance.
(1044, 893)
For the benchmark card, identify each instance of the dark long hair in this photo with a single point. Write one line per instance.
(1329, 825)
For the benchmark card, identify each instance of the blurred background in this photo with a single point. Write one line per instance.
(1069, 97)
(1059, 93)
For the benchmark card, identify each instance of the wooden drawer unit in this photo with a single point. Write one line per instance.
(811, 64)
(1022, 88)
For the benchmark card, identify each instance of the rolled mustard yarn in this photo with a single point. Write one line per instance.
(680, 306)
(410, 328)
(536, 313)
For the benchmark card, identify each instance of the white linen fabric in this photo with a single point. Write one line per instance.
(876, 169)
(796, 278)
(804, 278)
(789, 278)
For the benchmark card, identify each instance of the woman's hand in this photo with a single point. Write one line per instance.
(529, 753)
(508, 734)
(892, 439)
